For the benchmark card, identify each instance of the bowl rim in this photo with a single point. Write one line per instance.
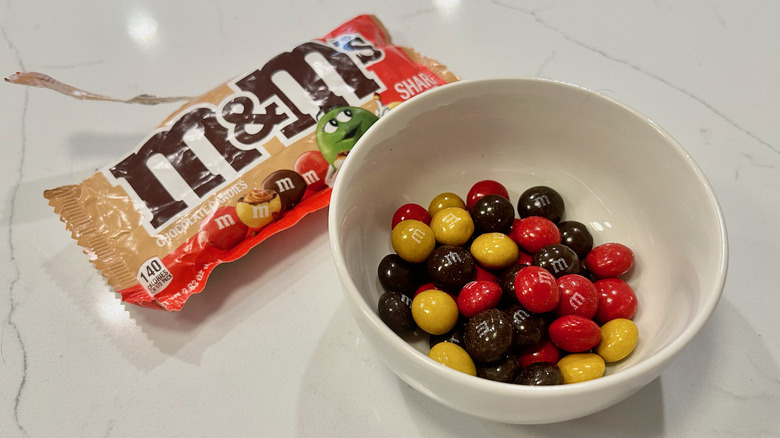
(650, 366)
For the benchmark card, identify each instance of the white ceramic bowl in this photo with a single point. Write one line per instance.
(617, 172)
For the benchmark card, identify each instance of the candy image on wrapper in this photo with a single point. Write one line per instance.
(311, 165)
(259, 208)
(223, 228)
(290, 186)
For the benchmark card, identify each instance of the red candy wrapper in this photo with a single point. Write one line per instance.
(238, 164)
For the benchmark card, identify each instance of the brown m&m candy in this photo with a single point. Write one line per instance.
(493, 213)
(530, 327)
(541, 201)
(540, 374)
(488, 335)
(398, 275)
(506, 279)
(451, 267)
(454, 336)
(395, 310)
(289, 184)
(501, 371)
(576, 236)
(558, 259)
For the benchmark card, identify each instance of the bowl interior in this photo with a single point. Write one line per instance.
(617, 172)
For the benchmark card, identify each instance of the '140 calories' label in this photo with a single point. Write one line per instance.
(153, 276)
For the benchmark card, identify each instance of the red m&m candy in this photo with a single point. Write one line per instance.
(616, 300)
(477, 296)
(544, 351)
(424, 287)
(411, 211)
(536, 289)
(482, 188)
(609, 260)
(578, 296)
(534, 233)
(485, 275)
(574, 333)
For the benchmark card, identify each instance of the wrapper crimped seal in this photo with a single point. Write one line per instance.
(238, 164)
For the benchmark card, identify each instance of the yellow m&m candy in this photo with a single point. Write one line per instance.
(435, 311)
(413, 241)
(581, 367)
(445, 200)
(452, 226)
(453, 356)
(494, 250)
(618, 339)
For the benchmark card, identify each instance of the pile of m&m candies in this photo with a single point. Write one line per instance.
(526, 300)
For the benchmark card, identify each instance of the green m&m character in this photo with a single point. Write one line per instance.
(340, 128)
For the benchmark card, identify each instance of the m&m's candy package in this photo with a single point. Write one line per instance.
(239, 163)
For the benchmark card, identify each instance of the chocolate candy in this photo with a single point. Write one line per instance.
(540, 374)
(505, 297)
(477, 296)
(544, 351)
(413, 240)
(617, 299)
(506, 279)
(609, 260)
(576, 236)
(541, 201)
(618, 339)
(425, 286)
(453, 356)
(410, 211)
(488, 335)
(574, 333)
(536, 289)
(451, 267)
(398, 275)
(581, 367)
(485, 187)
(396, 311)
(493, 213)
(529, 327)
(445, 200)
(484, 274)
(502, 371)
(454, 336)
(494, 250)
(578, 296)
(533, 233)
(435, 311)
(289, 184)
(452, 226)
(559, 259)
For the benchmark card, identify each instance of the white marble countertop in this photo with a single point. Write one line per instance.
(273, 351)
